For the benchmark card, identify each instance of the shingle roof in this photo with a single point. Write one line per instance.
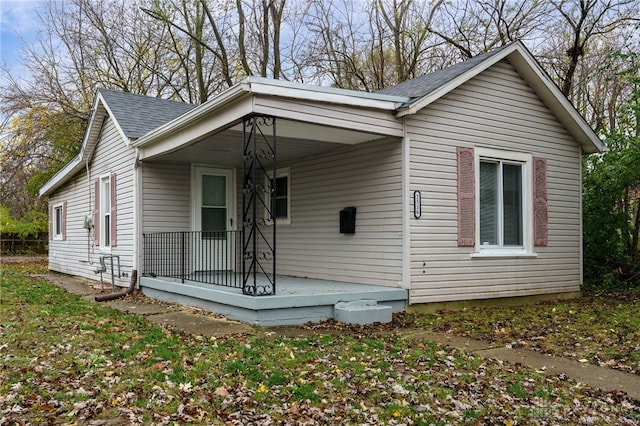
(425, 84)
(137, 115)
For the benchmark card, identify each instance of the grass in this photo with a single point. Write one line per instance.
(64, 360)
(601, 329)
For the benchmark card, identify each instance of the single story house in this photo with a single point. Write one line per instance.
(281, 203)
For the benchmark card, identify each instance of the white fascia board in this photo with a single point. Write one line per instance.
(76, 164)
(525, 63)
(118, 127)
(56, 180)
(557, 102)
(229, 95)
(265, 86)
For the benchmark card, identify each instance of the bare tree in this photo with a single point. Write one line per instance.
(587, 20)
(474, 27)
(83, 45)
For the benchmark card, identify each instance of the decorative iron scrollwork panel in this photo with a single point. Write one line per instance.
(259, 167)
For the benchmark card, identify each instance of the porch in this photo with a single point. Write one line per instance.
(298, 300)
(244, 206)
(207, 270)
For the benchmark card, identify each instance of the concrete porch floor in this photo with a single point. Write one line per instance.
(297, 300)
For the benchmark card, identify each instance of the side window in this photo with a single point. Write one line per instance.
(502, 202)
(501, 213)
(281, 200)
(105, 211)
(58, 222)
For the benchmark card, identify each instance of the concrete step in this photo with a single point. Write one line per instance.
(362, 312)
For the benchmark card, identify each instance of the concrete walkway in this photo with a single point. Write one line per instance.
(603, 378)
(196, 321)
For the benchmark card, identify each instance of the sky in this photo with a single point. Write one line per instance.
(18, 26)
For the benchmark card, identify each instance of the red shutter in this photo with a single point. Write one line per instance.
(114, 233)
(51, 219)
(540, 203)
(466, 197)
(64, 221)
(96, 213)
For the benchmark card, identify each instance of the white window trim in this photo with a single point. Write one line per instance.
(103, 210)
(57, 233)
(280, 173)
(526, 159)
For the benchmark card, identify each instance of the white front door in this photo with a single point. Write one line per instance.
(213, 246)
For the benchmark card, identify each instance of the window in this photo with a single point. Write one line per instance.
(58, 221)
(500, 203)
(503, 220)
(104, 213)
(280, 202)
(213, 211)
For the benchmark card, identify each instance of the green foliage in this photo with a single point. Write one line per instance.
(32, 223)
(611, 204)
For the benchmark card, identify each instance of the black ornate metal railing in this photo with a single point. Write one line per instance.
(210, 257)
(259, 167)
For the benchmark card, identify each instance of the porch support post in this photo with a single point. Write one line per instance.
(259, 165)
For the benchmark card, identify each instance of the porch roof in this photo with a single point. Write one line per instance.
(301, 110)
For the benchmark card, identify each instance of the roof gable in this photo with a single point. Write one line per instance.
(428, 88)
(136, 115)
(133, 115)
(422, 86)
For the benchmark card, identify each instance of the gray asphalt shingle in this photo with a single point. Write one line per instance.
(425, 84)
(137, 115)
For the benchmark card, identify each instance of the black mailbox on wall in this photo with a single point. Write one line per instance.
(348, 220)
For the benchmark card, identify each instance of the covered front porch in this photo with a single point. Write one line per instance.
(243, 198)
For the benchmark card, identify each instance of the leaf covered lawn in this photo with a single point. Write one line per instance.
(65, 360)
(603, 329)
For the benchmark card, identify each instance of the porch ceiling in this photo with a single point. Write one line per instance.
(294, 140)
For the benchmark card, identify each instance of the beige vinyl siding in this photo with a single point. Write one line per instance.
(166, 207)
(497, 110)
(365, 176)
(166, 197)
(77, 255)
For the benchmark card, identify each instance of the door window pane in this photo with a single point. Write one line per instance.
(214, 191)
(488, 203)
(214, 219)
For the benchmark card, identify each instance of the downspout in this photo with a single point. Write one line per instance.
(129, 290)
(89, 220)
(137, 211)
